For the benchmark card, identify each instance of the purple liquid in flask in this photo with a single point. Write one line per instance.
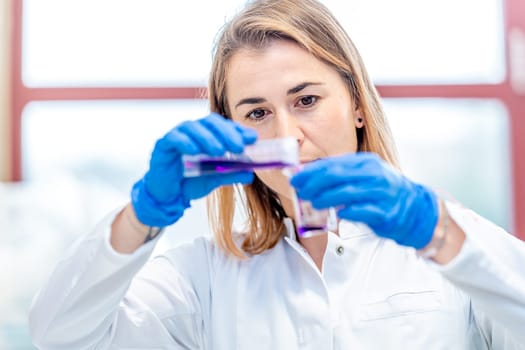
(210, 166)
(265, 154)
(311, 222)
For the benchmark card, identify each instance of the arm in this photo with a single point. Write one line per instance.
(479, 258)
(79, 306)
(490, 268)
(98, 297)
(127, 232)
(447, 238)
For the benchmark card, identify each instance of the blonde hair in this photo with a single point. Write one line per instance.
(310, 25)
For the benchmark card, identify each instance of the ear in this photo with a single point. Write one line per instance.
(358, 119)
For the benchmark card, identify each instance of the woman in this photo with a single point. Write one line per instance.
(429, 274)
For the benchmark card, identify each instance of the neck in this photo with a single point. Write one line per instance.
(315, 245)
(316, 248)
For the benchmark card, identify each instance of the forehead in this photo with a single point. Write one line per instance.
(276, 52)
(280, 62)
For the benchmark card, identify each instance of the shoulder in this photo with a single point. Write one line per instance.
(202, 247)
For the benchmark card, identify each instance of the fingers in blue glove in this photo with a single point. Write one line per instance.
(163, 194)
(364, 188)
(347, 194)
(211, 135)
(232, 135)
(358, 173)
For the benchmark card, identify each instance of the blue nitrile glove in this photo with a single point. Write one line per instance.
(161, 196)
(362, 187)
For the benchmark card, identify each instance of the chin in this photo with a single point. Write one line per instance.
(277, 182)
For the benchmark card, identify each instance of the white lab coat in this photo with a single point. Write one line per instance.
(371, 294)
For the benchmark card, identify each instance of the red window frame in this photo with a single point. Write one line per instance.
(514, 17)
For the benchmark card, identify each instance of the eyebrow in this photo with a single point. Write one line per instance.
(294, 90)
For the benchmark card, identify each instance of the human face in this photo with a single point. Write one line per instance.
(283, 90)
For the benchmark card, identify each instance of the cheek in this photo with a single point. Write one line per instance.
(334, 136)
(277, 181)
(340, 129)
(265, 130)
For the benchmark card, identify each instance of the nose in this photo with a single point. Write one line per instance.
(288, 125)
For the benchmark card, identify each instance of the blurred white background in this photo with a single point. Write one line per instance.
(80, 158)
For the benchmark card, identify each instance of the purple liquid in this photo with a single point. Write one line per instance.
(305, 229)
(221, 166)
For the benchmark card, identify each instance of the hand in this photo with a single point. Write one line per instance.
(365, 188)
(161, 196)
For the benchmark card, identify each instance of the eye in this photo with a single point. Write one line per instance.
(307, 101)
(256, 114)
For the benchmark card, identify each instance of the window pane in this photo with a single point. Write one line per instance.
(106, 140)
(163, 42)
(459, 146)
(80, 160)
(120, 42)
(104, 145)
(436, 41)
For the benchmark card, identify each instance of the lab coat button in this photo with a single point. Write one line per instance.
(340, 250)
